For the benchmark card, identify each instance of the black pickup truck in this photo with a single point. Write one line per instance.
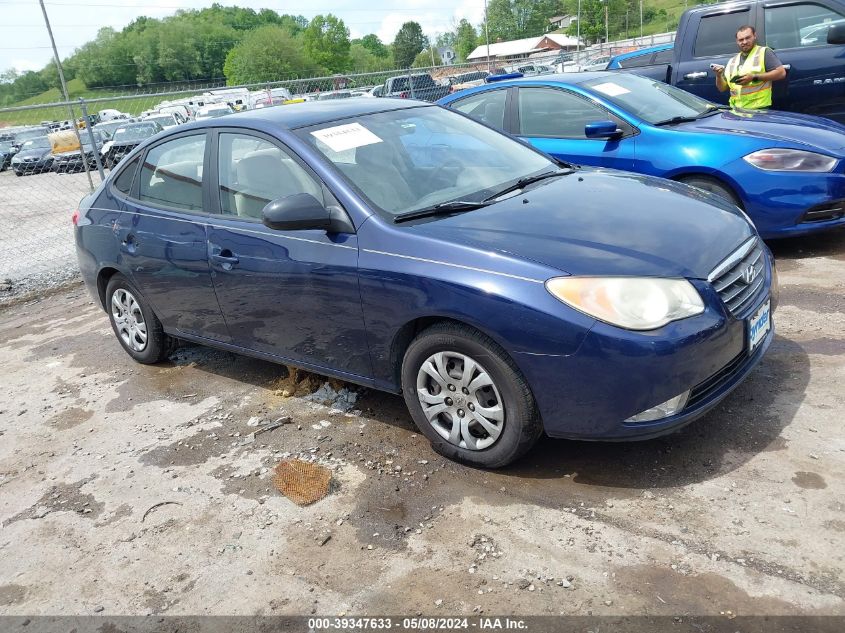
(422, 86)
(807, 36)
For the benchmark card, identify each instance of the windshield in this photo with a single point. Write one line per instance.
(36, 143)
(20, 137)
(652, 101)
(135, 133)
(162, 120)
(5, 147)
(414, 158)
(107, 129)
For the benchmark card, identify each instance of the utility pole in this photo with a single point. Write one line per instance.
(487, 32)
(606, 30)
(578, 43)
(641, 19)
(67, 96)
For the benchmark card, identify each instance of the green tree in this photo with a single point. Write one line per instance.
(424, 57)
(363, 60)
(408, 43)
(268, 53)
(373, 44)
(466, 39)
(326, 41)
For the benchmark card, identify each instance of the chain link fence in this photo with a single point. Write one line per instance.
(41, 185)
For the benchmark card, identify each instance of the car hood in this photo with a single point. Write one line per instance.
(604, 222)
(779, 127)
(33, 153)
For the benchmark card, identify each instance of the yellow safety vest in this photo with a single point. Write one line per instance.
(757, 94)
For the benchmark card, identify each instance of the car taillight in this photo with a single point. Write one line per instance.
(75, 217)
(403, 95)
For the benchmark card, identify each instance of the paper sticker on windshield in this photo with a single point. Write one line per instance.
(120, 129)
(343, 137)
(611, 89)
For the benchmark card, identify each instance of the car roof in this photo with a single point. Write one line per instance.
(298, 115)
(642, 51)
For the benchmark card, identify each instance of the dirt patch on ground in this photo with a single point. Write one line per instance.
(62, 498)
(69, 418)
(813, 481)
(11, 594)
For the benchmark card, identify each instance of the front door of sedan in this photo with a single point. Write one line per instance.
(292, 294)
(554, 120)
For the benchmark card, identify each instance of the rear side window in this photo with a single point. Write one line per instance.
(171, 175)
(487, 107)
(717, 34)
(123, 182)
(662, 57)
(797, 25)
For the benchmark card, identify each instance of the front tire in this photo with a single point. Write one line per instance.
(134, 323)
(468, 398)
(713, 186)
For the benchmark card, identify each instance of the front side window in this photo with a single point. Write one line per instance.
(254, 171)
(487, 107)
(796, 25)
(717, 33)
(556, 113)
(171, 175)
(414, 158)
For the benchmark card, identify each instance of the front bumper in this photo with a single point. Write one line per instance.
(616, 374)
(789, 204)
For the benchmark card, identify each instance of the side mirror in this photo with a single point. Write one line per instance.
(602, 129)
(296, 213)
(836, 34)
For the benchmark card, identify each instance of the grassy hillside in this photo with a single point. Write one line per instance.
(76, 89)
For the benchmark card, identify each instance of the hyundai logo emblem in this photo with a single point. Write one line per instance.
(748, 275)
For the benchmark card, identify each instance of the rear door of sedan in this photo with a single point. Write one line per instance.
(161, 234)
(293, 294)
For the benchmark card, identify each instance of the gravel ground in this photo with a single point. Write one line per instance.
(741, 513)
(36, 239)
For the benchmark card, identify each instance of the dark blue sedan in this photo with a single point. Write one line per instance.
(401, 246)
(785, 170)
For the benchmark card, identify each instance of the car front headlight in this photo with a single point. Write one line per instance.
(633, 303)
(781, 159)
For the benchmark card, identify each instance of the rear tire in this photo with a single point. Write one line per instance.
(135, 324)
(468, 397)
(712, 185)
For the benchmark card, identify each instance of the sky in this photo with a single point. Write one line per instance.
(25, 45)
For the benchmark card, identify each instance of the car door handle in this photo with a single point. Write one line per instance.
(129, 244)
(787, 66)
(226, 259)
(701, 74)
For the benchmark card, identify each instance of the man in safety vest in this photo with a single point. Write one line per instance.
(750, 73)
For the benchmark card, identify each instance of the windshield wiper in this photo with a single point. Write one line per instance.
(444, 208)
(710, 111)
(524, 182)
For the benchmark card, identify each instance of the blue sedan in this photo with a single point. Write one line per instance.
(401, 246)
(785, 170)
